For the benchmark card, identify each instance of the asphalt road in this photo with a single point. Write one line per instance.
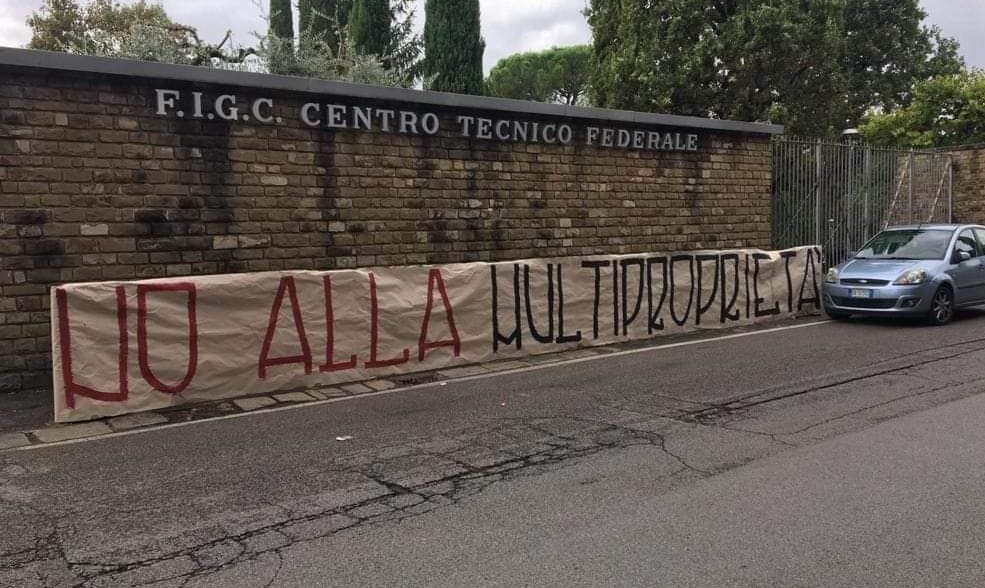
(835, 454)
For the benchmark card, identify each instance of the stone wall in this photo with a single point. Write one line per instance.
(969, 184)
(95, 185)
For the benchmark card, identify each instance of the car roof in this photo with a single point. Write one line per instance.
(933, 227)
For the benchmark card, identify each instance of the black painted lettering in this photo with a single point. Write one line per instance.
(654, 322)
(727, 307)
(549, 337)
(561, 337)
(628, 317)
(498, 337)
(748, 298)
(673, 288)
(615, 297)
(704, 308)
(756, 257)
(786, 256)
(810, 272)
(597, 266)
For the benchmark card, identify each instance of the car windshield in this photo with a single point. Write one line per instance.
(907, 244)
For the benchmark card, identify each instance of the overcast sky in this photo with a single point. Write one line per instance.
(509, 26)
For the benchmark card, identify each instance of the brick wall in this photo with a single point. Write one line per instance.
(969, 184)
(94, 186)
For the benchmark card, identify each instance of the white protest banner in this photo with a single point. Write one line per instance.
(121, 347)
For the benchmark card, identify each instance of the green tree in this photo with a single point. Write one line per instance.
(403, 52)
(312, 57)
(521, 76)
(385, 30)
(281, 19)
(336, 57)
(137, 31)
(370, 26)
(815, 65)
(943, 111)
(57, 26)
(887, 49)
(775, 64)
(559, 74)
(325, 19)
(453, 46)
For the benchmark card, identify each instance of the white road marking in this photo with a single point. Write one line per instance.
(543, 366)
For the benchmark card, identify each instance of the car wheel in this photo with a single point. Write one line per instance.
(942, 307)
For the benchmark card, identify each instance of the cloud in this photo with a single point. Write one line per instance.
(14, 31)
(513, 26)
(963, 20)
(242, 18)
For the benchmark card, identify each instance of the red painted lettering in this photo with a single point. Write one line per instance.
(286, 286)
(330, 365)
(423, 345)
(374, 333)
(142, 347)
(72, 388)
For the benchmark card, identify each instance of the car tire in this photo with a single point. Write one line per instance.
(941, 307)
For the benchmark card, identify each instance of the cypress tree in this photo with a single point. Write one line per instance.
(324, 19)
(453, 46)
(281, 19)
(370, 26)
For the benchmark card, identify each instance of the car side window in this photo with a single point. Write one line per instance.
(966, 242)
(980, 237)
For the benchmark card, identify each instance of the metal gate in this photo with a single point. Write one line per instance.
(838, 195)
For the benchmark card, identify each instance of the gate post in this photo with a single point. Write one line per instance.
(817, 193)
(909, 207)
(866, 187)
(950, 185)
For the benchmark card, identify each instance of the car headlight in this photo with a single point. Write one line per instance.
(911, 278)
(832, 276)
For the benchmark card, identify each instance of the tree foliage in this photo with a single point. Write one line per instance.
(313, 57)
(63, 25)
(453, 46)
(281, 19)
(324, 19)
(944, 111)
(144, 31)
(815, 65)
(382, 32)
(370, 26)
(105, 28)
(559, 74)
(405, 46)
(887, 50)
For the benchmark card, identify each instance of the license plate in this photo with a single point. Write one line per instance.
(861, 293)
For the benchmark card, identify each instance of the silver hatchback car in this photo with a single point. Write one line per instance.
(921, 270)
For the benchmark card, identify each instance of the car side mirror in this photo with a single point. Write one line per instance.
(961, 256)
